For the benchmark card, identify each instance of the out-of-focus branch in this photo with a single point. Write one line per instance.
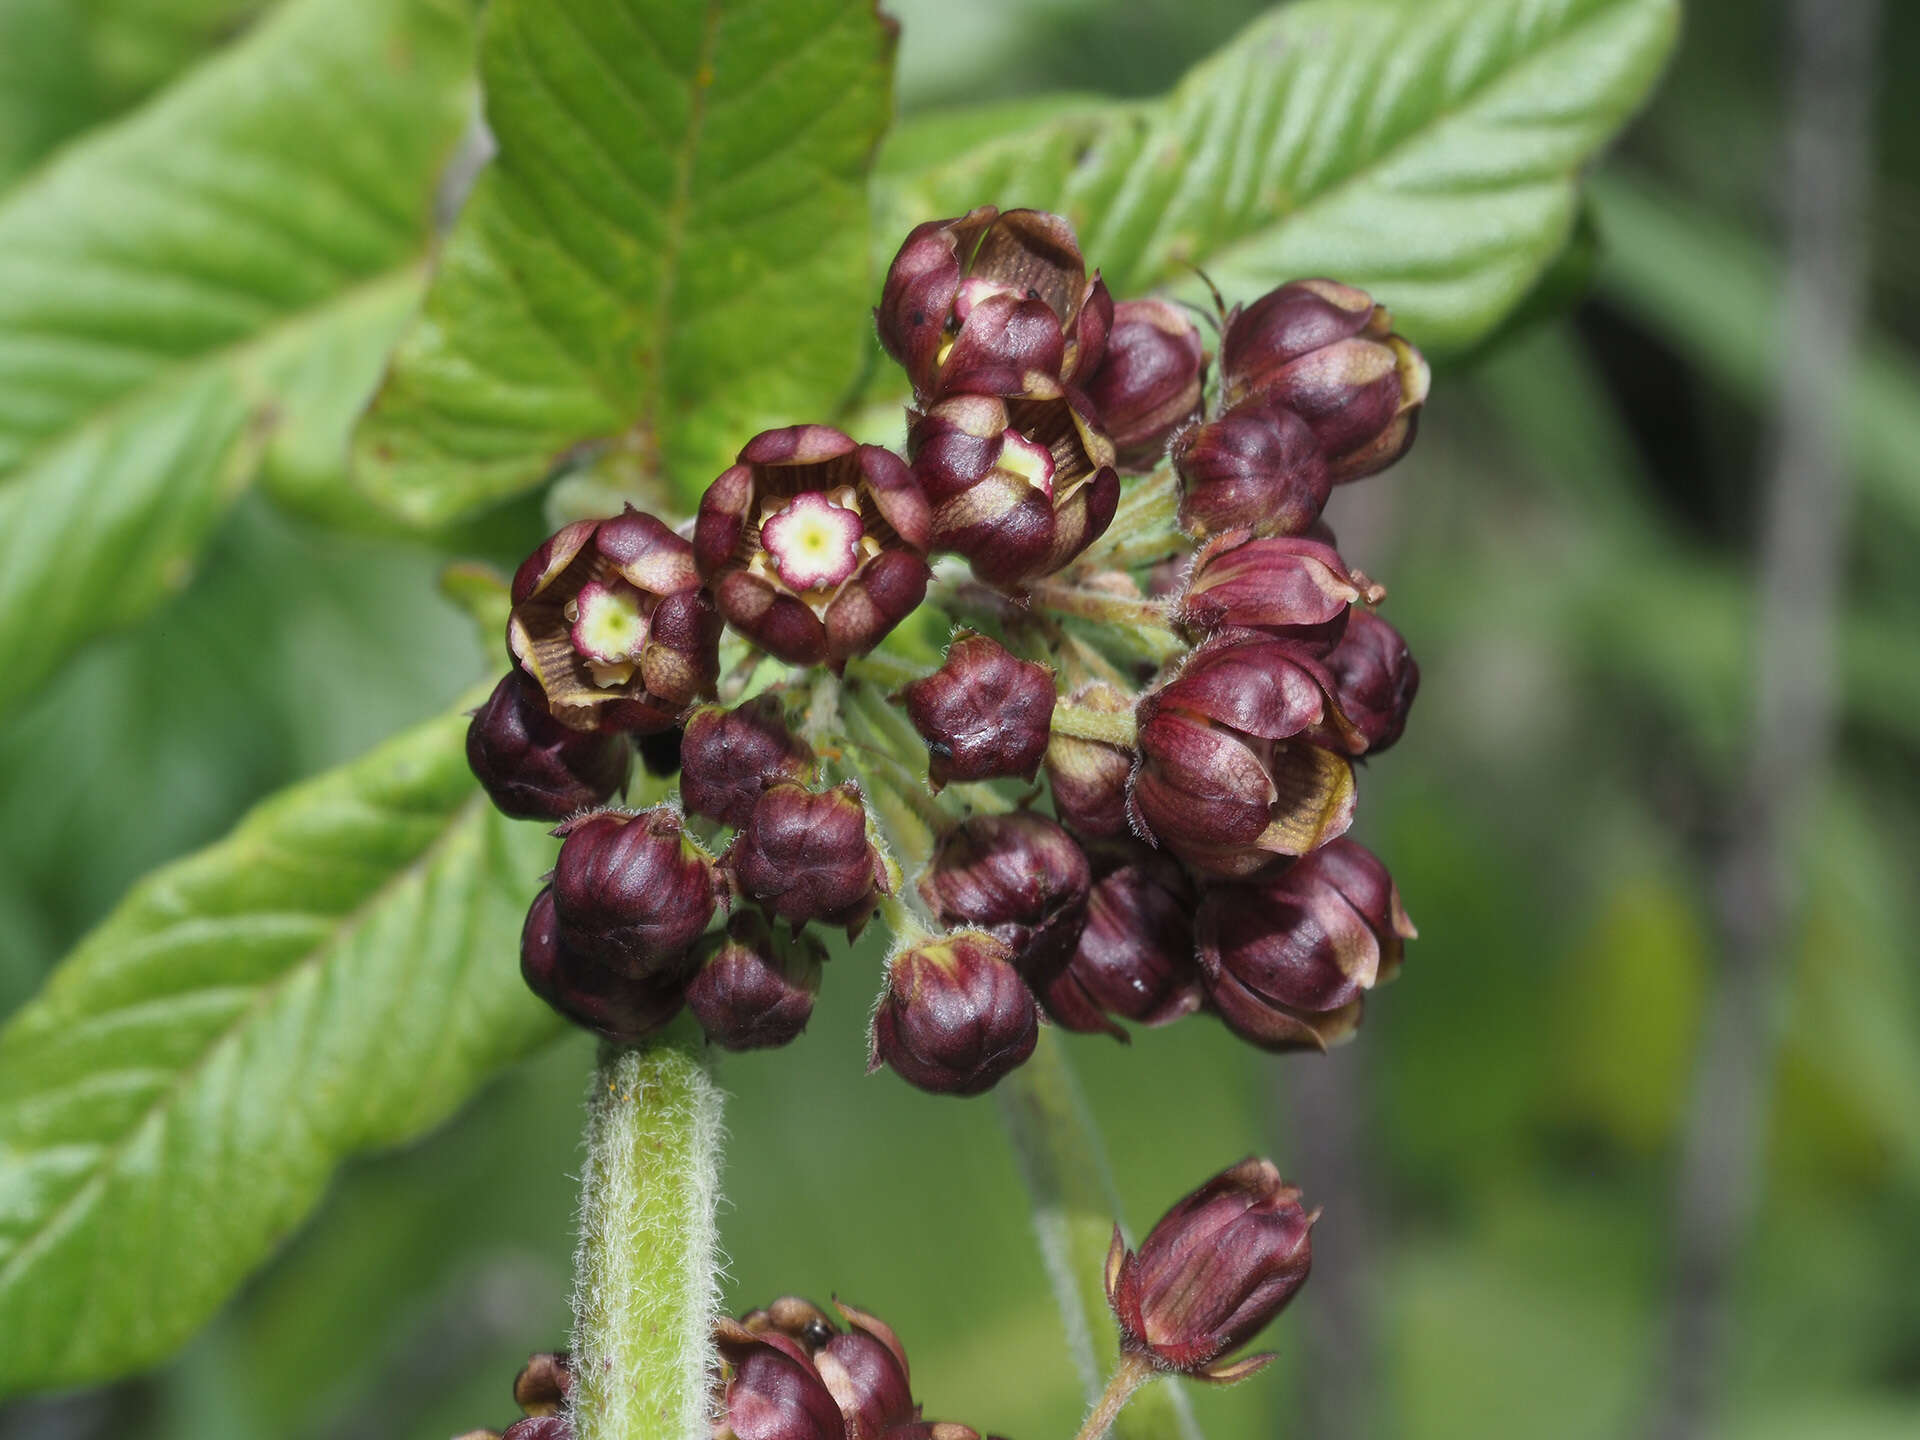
(1802, 544)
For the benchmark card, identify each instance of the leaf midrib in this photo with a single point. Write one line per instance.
(110, 1156)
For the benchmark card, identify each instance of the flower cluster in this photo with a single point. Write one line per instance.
(785, 1371)
(1182, 653)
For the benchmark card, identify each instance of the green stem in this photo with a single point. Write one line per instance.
(1145, 529)
(1075, 1206)
(1099, 605)
(1128, 1376)
(1083, 722)
(646, 1270)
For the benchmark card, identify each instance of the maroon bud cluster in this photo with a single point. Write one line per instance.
(1212, 1274)
(985, 713)
(1198, 699)
(788, 1372)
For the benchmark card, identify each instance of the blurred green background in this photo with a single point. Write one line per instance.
(1568, 552)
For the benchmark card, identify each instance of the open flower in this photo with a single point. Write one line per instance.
(813, 545)
(610, 620)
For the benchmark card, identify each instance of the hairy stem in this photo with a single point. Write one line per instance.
(1075, 1206)
(1128, 1377)
(1100, 605)
(1146, 527)
(1085, 723)
(646, 1283)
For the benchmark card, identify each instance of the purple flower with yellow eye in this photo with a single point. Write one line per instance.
(814, 546)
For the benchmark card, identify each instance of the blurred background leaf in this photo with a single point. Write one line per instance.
(166, 285)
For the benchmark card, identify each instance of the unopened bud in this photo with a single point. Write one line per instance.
(1088, 778)
(1257, 467)
(532, 766)
(729, 756)
(544, 1383)
(805, 856)
(1019, 877)
(1212, 1273)
(755, 988)
(1289, 587)
(631, 891)
(1135, 955)
(1148, 385)
(588, 993)
(984, 713)
(955, 1017)
(1288, 956)
(1375, 680)
(1326, 352)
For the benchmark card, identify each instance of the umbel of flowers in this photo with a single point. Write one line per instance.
(1121, 796)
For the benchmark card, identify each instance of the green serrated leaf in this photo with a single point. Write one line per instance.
(207, 286)
(336, 976)
(1428, 152)
(668, 253)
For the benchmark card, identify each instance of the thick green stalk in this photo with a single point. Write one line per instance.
(646, 1271)
(1075, 1206)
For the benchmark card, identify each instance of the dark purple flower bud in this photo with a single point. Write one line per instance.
(955, 1016)
(1211, 1275)
(589, 994)
(794, 1316)
(1019, 877)
(814, 546)
(1256, 467)
(984, 713)
(805, 855)
(1228, 774)
(1148, 385)
(729, 756)
(540, 1427)
(1286, 586)
(755, 989)
(866, 1370)
(1135, 956)
(632, 892)
(1089, 777)
(532, 766)
(1019, 486)
(983, 302)
(1375, 680)
(774, 1392)
(1326, 352)
(1288, 957)
(544, 1383)
(609, 618)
